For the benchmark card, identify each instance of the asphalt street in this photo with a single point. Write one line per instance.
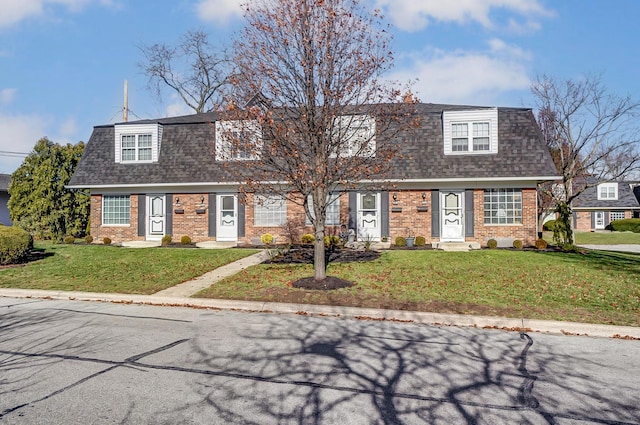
(76, 362)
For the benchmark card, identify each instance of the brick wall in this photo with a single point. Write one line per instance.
(192, 218)
(117, 234)
(404, 217)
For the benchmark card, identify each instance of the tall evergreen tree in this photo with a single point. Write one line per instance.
(39, 201)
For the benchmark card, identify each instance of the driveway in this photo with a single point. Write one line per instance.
(619, 247)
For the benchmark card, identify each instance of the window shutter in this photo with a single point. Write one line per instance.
(212, 215)
(435, 213)
(384, 213)
(468, 212)
(593, 219)
(241, 216)
(168, 219)
(142, 209)
(353, 213)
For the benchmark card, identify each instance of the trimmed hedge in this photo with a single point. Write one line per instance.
(626, 225)
(15, 244)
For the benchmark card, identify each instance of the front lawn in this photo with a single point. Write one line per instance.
(595, 287)
(606, 238)
(100, 268)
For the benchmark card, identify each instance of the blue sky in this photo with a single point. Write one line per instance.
(63, 62)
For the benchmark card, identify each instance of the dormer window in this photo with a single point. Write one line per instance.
(137, 143)
(470, 132)
(355, 135)
(608, 191)
(238, 140)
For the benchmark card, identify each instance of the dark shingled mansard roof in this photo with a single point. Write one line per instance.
(187, 153)
(5, 179)
(626, 198)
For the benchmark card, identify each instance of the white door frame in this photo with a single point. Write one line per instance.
(226, 218)
(369, 220)
(598, 220)
(155, 216)
(452, 219)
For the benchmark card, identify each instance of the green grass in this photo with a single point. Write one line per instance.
(596, 287)
(606, 238)
(99, 268)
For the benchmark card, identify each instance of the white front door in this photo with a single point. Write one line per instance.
(599, 221)
(227, 218)
(369, 216)
(156, 216)
(452, 209)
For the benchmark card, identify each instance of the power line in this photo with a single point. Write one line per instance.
(14, 154)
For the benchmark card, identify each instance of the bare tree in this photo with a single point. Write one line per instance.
(592, 136)
(193, 69)
(313, 70)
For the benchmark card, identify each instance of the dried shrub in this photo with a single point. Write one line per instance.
(106, 241)
(541, 244)
(88, 239)
(401, 241)
(185, 240)
(69, 240)
(166, 240)
(420, 241)
(517, 244)
(492, 243)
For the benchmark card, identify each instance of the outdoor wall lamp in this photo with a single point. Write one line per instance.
(395, 196)
(424, 196)
(177, 202)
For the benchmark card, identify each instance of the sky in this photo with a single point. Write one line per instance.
(63, 63)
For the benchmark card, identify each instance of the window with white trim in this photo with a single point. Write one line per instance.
(608, 191)
(470, 132)
(238, 140)
(355, 135)
(116, 210)
(333, 210)
(136, 147)
(616, 215)
(269, 210)
(502, 206)
(137, 143)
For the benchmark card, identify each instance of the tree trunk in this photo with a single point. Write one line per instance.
(319, 260)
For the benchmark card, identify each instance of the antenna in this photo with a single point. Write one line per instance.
(125, 109)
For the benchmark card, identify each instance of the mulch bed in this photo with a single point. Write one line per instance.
(304, 255)
(328, 283)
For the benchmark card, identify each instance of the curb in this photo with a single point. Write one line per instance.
(438, 319)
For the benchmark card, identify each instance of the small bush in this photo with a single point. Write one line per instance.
(15, 244)
(166, 240)
(69, 240)
(185, 240)
(549, 225)
(401, 241)
(420, 241)
(626, 225)
(267, 239)
(517, 244)
(106, 241)
(492, 243)
(307, 238)
(541, 244)
(88, 239)
(331, 240)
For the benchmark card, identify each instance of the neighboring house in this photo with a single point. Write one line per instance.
(466, 174)
(599, 205)
(4, 199)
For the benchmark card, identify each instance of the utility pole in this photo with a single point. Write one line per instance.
(125, 109)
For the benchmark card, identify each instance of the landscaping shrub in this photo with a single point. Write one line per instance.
(549, 225)
(69, 240)
(401, 241)
(420, 241)
(88, 239)
(492, 243)
(307, 238)
(541, 244)
(15, 244)
(626, 225)
(517, 244)
(166, 240)
(267, 239)
(331, 240)
(185, 240)
(106, 241)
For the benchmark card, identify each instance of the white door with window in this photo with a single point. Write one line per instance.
(369, 216)
(599, 220)
(156, 216)
(227, 218)
(452, 216)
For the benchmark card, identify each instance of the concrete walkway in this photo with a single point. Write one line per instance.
(619, 247)
(196, 285)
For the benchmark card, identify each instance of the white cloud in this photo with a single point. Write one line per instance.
(219, 11)
(7, 96)
(178, 108)
(468, 77)
(19, 133)
(14, 11)
(412, 15)
(67, 131)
